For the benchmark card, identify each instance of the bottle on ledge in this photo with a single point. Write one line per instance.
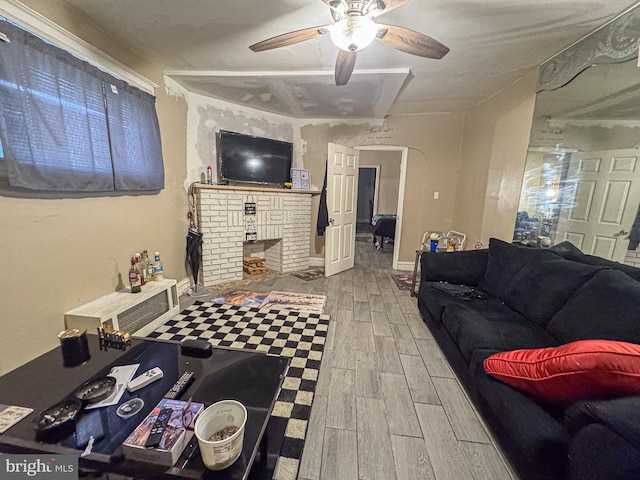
(134, 277)
(144, 267)
(158, 270)
(139, 268)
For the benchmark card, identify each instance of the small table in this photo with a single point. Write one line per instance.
(252, 378)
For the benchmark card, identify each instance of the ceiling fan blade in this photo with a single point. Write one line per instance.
(290, 38)
(411, 42)
(378, 7)
(344, 66)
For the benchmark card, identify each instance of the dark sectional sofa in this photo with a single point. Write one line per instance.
(539, 298)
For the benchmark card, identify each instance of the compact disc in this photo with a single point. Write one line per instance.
(130, 408)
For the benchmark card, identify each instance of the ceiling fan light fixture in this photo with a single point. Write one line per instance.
(353, 33)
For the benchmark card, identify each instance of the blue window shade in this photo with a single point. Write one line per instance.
(135, 137)
(62, 129)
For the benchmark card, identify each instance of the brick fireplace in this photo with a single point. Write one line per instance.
(282, 223)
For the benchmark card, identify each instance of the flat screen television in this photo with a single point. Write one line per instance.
(248, 159)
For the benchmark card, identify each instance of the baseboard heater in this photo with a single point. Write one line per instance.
(139, 313)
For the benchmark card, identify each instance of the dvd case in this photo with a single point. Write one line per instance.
(175, 437)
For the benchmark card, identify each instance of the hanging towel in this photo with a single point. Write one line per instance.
(323, 213)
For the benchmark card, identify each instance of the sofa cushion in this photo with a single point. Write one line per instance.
(533, 282)
(586, 369)
(460, 268)
(505, 261)
(436, 301)
(488, 324)
(569, 251)
(605, 307)
(541, 288)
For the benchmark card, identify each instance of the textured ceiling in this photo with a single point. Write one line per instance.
(368, 94)
(493, 43)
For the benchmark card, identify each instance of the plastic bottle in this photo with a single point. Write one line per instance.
(150, 272)
(209, 175)
(134, 277)
(158, 270)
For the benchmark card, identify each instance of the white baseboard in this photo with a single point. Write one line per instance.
(406, 266)
(316, 262)
(183, 286)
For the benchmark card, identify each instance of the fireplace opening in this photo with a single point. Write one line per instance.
(261, 257)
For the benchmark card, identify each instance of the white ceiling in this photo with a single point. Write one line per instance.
(204, 45)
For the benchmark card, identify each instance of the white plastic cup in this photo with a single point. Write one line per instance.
(222, 454)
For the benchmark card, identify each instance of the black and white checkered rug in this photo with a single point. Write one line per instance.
(300, 336)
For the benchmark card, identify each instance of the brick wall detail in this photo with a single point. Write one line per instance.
(283, 222)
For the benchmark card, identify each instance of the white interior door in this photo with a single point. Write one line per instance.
(342, 183)
(604, 202)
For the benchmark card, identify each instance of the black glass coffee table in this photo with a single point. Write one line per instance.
(251, 378)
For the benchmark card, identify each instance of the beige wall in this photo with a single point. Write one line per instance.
(207, 116)
(434, 143)
(59, 252)
(389, 181)
(494, 151)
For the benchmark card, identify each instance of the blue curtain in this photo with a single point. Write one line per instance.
(67, 126)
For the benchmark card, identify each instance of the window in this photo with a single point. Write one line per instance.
(66, 125)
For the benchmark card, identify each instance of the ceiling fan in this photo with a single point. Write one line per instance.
(354, 29)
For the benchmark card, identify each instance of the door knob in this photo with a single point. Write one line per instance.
(621, 232)
(331, 221)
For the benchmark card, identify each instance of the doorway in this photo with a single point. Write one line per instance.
(395, 199)
(368, 178)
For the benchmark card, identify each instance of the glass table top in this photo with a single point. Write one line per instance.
(251, 378)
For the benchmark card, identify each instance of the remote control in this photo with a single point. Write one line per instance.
(145, 379)
(155, 435)
(180, 386)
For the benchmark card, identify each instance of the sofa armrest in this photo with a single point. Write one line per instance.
(605, 439)
(597, 453)
(461, 268)
(621, 415)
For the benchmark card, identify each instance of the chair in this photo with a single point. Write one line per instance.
(458, 239)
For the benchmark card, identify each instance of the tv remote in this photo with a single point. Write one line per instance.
(180, 386)
(145, 379)
(155, 435)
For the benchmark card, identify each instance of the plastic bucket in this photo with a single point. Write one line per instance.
(221, 454)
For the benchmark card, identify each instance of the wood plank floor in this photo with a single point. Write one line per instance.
(387, 405)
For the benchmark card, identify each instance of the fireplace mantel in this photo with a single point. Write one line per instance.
(256, 188)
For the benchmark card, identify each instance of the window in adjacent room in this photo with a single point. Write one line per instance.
(66, 125)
